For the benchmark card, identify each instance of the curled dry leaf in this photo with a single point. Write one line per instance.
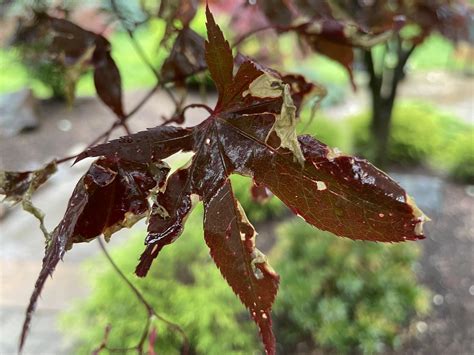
(20, 187)
(111, 195)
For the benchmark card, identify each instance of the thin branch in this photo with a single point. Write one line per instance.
(149, 308)
(140, 51)
(119, 122)
(203, 106)
(375, 80)
(251, 33)
(105, 340)
(126, 128)
(403, 56)
(143, 101)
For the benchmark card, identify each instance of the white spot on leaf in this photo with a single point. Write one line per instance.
(321, 185)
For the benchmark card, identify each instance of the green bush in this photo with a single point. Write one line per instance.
(183, 286)
(256, 212)
(343, 295)
(422, 134)
(330, 132)
(415, 134)
(459, 156)
(335, 293)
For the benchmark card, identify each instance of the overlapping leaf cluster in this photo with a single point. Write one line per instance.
(335, 28)
(251, 132)
(74, 50)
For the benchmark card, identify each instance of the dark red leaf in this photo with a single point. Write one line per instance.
(117, 197)
(231, 240)
(333, 189)
(76, 50)
(152, 145)
(108, 82)
(450, 18)
(167, 218)
(329, 38)
(55, 252)
(111, 195)
(218, 56)
(186, 57)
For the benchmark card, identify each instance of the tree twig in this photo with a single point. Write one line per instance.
(149, 308)
(141, 53)
(251, 33)
(203, 106)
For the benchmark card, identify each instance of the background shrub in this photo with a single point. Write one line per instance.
(343, 295)
(329, 131)
(415, 135)
(421, 134)
(458, 156)
(335, 294)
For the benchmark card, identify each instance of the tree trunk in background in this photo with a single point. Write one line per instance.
(380, 129)
(383, 91)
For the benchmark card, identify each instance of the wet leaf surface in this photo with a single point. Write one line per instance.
(335, 192)
(251, 132)
(110, 196)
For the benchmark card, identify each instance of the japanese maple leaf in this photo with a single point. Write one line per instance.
(251, 132)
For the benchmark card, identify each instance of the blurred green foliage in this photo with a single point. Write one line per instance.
(329, 131)
(414, 137)
(183, 285)
(335, 294)
(256, 212)
(422, 134)
(436, 52)
(341, 295)
(458, 156)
